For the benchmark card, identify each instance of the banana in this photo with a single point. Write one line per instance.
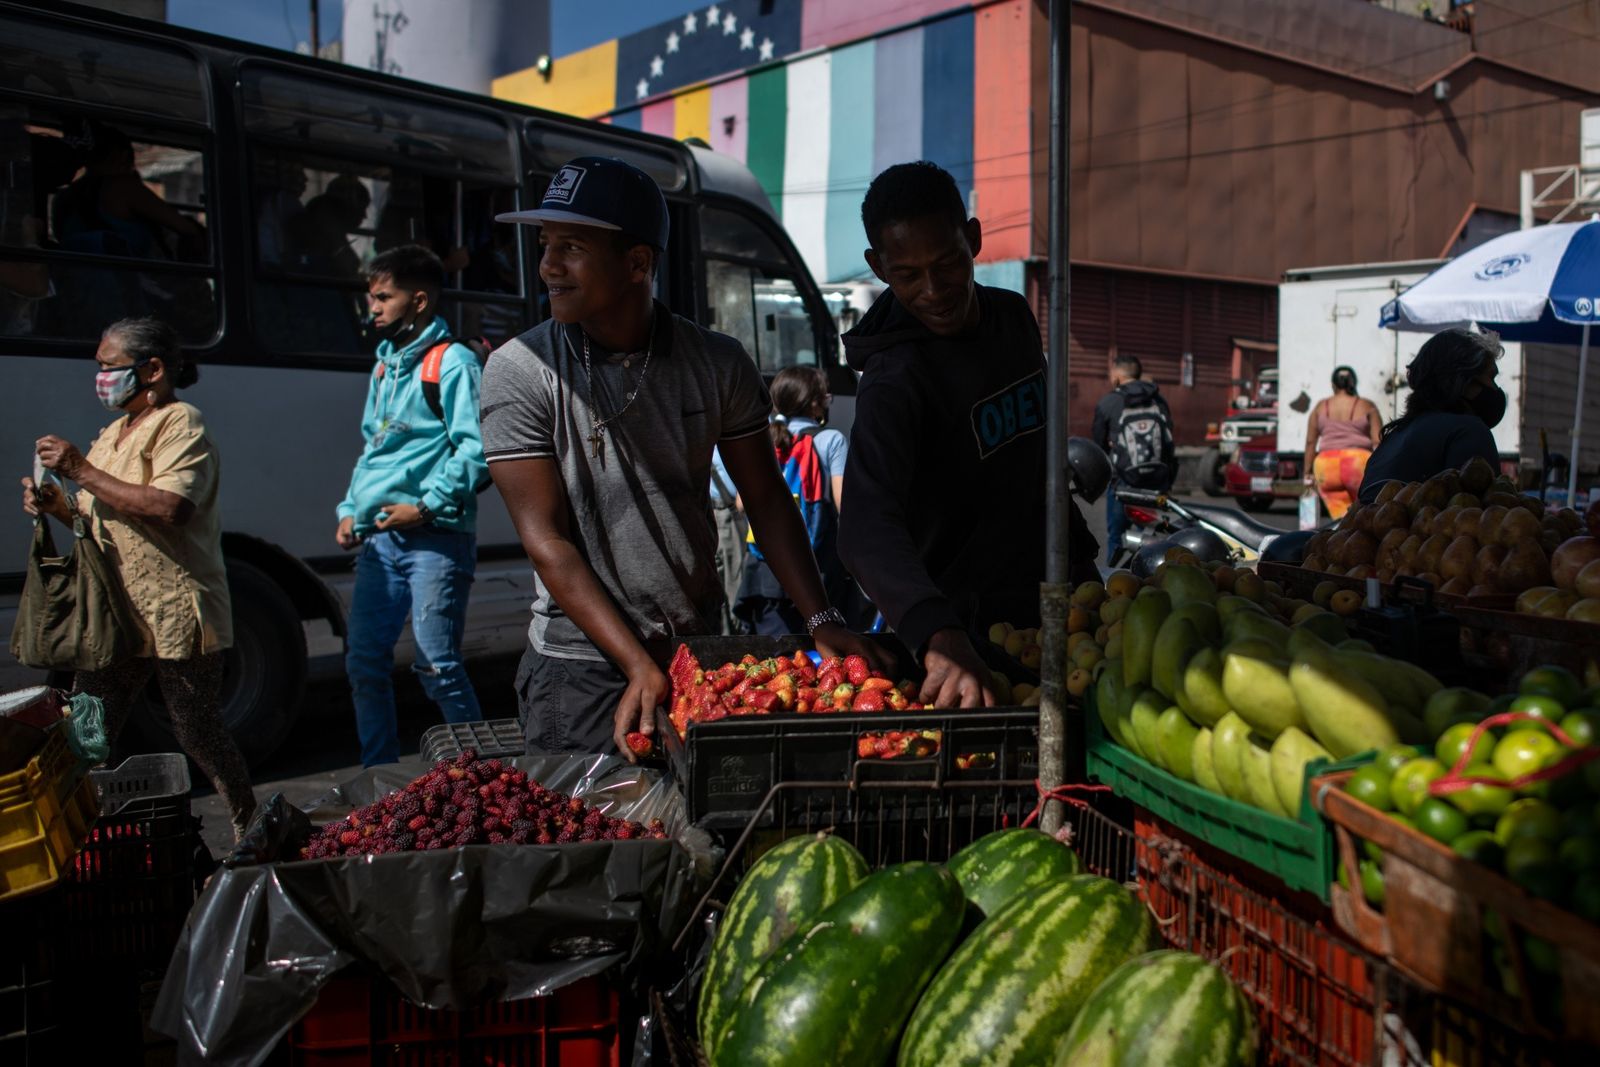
(1346, 713)
(1290, 753)
(1139, 630)
(1257, 688)
(1200, 688)
(1177, 641)
(1205, 774)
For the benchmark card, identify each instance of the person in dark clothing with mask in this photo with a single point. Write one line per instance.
(1134, 425)
(946, 474)
(1453, 405)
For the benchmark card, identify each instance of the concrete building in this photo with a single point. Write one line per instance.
(444, 42)
(1215, 143)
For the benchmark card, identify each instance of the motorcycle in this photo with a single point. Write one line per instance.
(1158, 522)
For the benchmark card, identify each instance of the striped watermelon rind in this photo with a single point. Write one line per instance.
(784, 891)
(840, 992)
(1165, 1007)
(1007, 863)
(1013, 987)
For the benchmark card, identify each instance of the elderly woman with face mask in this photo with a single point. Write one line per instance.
(148, 488)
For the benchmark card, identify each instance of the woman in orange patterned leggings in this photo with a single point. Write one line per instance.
(1341, 433)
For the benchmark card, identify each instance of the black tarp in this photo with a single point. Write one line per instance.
(450, 928)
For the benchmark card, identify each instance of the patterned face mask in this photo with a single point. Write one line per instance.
(117, 386)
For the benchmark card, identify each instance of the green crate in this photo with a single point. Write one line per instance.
(1301, 852)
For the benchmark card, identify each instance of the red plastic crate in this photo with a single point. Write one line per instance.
(1320, 999)
(360, 1019)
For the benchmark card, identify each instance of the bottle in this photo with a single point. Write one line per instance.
(1310, 511)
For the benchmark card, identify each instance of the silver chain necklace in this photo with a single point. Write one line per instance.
(597, 425)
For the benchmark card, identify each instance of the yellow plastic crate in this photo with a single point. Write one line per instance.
(46, 810)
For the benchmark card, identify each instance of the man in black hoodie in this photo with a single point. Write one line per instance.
(1134, 425)
(946, 475)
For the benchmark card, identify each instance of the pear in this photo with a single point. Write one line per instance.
(1460, 558)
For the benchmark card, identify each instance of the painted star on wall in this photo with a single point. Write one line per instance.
(691, 22)
(713, 16)
(747, 39)
(657, 65)
(730, 22)
(641, 90)
(672, 43)
(766, 49)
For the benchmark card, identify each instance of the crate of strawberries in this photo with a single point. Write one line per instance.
(479, 880)
(782, 714)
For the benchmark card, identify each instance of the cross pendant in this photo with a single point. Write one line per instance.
(597, 445)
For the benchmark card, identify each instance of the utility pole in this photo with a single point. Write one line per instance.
(316, 44)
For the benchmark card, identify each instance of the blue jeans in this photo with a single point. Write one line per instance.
(425, 575)
(1116, 522)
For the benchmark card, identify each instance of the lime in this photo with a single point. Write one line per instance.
(1578, 820)
(1394, 757)
(1532, 863)
(1586, 897)
(1455, 739)
(1508, 973)
(1372, 852)
(1493, 925)
(1453, 705)
(1580, 855)
(1583, 726)
(1478, 798)
(1540, 955)
(1370, 785)
(1557, 683)
(1542, 709)
(1528, 817)
(1479, 846)
(1440, 821)
(1344, 876)
(1523, 752)
(1409, 786)
(1372, 883)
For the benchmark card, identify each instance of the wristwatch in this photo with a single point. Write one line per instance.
(424, 513)
(822, 618)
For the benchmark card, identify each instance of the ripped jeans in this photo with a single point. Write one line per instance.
(423, 574)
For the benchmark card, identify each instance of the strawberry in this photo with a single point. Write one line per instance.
(897, 700)
(876, 682)
(830, 679)
(857, 670)
(868, 700)
(882, 746)
(763, 700)
(864, 746)
(641, 744)
(843, 694)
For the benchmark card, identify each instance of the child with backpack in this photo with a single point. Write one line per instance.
(811, 457)
(1134, 425)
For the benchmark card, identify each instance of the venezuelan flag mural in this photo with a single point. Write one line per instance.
(816, 97)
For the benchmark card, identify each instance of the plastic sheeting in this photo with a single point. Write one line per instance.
(449, 927)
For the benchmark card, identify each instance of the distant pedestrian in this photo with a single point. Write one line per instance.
(148, 490)
(1134, 425)
(413, 502)
(1341, 433)
(812, 457)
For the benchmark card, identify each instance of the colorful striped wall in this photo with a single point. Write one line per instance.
(889, 84)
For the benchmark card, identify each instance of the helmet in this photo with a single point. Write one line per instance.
(1206, 546)
(1288, 547)
(1091, 470)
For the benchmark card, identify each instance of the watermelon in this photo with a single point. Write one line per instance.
(839, 993)
(785, 890)
(1011, 990)
(1006, 863)
(1164, 1007)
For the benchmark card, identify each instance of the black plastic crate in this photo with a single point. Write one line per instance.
(489, 738)
(133, 882)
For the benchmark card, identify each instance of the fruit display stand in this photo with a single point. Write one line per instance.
(1509, 643)
(1434, 909)
(454, 929)
(1298, 852)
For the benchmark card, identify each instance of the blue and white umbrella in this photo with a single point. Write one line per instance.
(1540, 284)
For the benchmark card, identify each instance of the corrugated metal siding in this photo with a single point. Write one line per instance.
(1549, 384)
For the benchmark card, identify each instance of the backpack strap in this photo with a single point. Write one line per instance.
(432, 369)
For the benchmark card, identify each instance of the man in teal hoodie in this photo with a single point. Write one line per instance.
(413, 502)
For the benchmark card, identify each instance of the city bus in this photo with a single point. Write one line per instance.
(275, 178)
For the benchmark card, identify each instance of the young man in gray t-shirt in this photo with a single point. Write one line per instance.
(598, 427)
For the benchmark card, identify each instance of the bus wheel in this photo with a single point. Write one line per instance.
(1211, 465)
(263, 674)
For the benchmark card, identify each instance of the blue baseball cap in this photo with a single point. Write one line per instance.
(604, 192)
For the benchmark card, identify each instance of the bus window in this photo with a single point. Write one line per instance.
(551, 146)
(751, 292)
(102, 221)
(321, 220)
(79, 66)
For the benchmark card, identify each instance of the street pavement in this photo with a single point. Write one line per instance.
(322, 750)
